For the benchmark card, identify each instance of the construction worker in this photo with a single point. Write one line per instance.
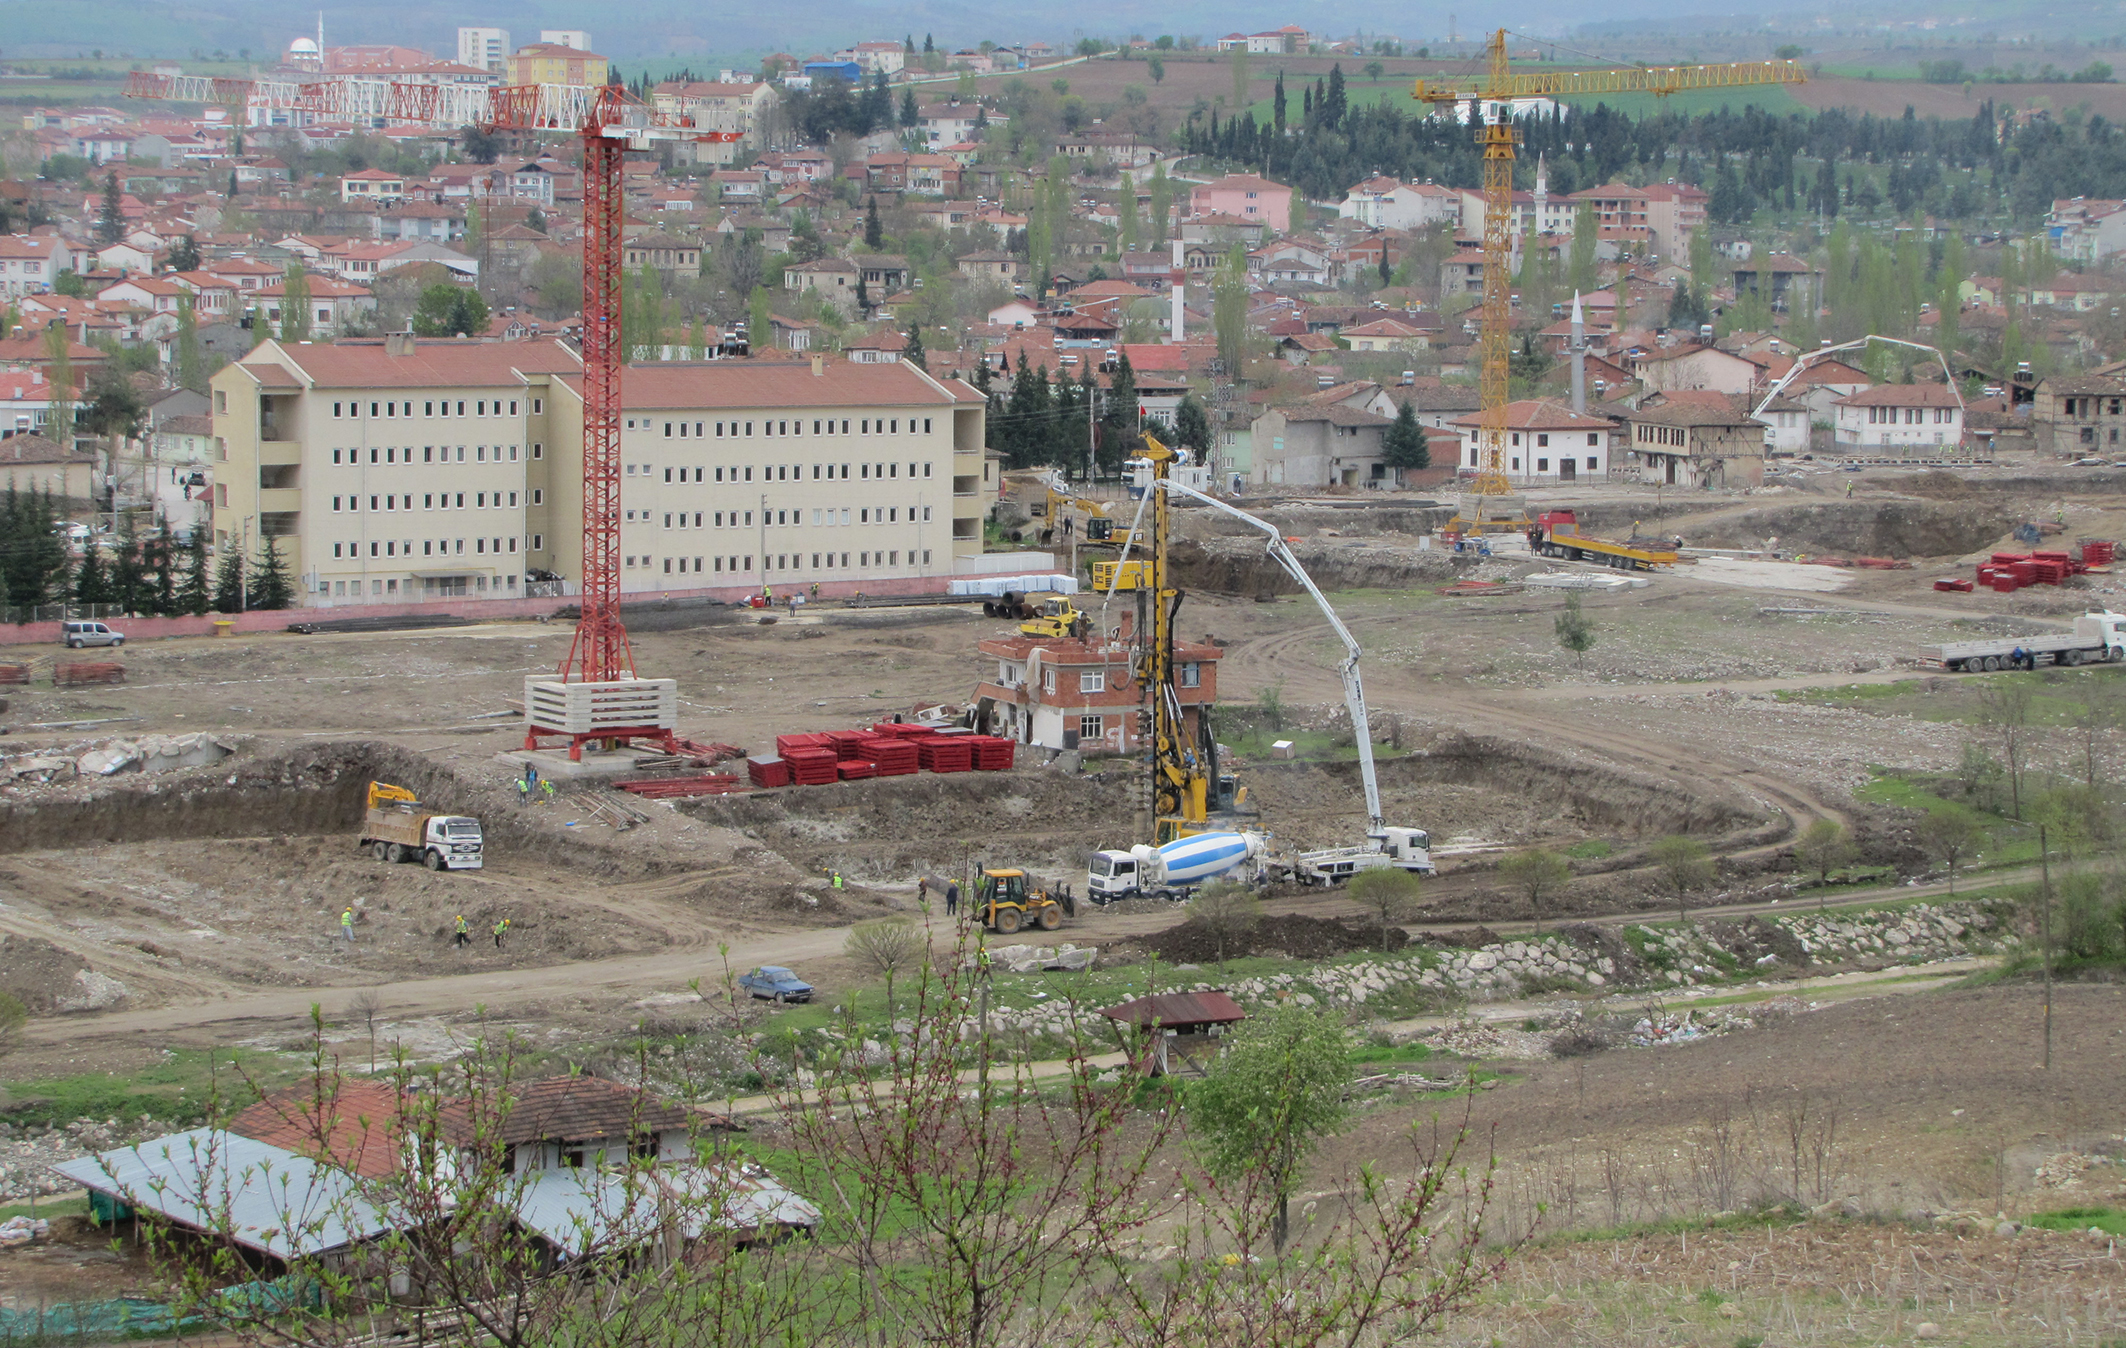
(815, 592)
(464, 933)
(922, 889)
(548, 788)
(523, 792)
(501, 930)
(952, 898)
(837, 878)
(1849, 488)
(347, 923)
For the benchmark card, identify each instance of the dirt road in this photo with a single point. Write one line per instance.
(238, 1014)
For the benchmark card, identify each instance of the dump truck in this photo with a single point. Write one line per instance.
(1556, 533)
(2097, 638)
(1005, 901)
(1173, 870)
(396, 828)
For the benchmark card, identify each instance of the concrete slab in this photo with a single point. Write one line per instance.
(555, 763)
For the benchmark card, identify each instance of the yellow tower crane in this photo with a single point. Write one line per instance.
(1493, 94)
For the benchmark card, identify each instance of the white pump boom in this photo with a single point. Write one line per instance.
(1354, 690)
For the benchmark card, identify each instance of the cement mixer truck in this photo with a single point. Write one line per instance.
(1175, 869)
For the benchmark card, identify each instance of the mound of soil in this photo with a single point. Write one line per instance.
(1306, 938)
(38, 973)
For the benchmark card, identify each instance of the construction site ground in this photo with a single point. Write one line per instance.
(206, 901)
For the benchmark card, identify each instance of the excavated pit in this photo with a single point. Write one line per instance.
(1869, 528)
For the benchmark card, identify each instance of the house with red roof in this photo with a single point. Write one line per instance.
(1546, 441)
(1081, 693)
(1899, 417)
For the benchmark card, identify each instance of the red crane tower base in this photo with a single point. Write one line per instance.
(614, 710)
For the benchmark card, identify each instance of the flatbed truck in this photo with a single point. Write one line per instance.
(1556, 533)
(2097, 638)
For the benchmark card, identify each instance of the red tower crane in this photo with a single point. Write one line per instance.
(609, 123)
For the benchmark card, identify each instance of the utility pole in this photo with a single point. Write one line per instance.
(2044, 859)
(764, 543)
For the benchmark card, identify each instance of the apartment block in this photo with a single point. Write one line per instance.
(397, 471)
(391, 471)
(484, 48)
(739, 474)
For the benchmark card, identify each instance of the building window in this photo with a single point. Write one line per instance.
(1093, 682)
(1191, 675)
(1091, 728)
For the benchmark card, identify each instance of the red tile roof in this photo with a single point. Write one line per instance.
(569, 1109)
(1903, 395)
(352, 1124)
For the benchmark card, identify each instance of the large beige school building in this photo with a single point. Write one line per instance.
(396, 470)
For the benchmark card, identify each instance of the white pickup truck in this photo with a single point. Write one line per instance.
(2097, 638)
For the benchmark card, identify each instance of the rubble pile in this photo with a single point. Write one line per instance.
(107, 758)
(28, 1151)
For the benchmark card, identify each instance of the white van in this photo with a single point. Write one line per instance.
(79, 634)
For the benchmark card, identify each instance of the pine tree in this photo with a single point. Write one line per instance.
(863, 298)
(162, 559)
(195, 595)
(271, 586)
(92, 584)
(1162, 205)
(1192, 426)
(184, 254)
(874, 236)
(229, 580)
(1405, 445)
(910, 114)
(915, 355)
(1120, 427)
(126, 570)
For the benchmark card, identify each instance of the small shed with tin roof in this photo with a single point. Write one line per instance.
(1168, 1032)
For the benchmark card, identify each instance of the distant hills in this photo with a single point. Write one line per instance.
(707, 34)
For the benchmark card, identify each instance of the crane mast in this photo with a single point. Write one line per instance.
(609, 123)
(1491, 96)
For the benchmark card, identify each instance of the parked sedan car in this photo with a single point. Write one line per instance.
(776, 984)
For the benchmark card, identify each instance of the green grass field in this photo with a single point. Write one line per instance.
(178, 1090)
